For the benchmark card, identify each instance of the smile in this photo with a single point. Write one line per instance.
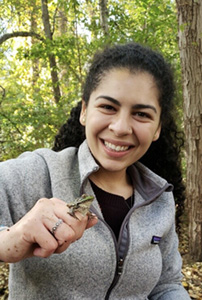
(116, 148)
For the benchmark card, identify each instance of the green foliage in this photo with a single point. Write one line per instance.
(29, 116)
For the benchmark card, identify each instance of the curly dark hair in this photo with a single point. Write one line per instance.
(164, 155)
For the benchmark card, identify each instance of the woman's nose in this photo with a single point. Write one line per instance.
(120, 125)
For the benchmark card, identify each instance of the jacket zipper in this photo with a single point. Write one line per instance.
(118, 273)
(120, 260)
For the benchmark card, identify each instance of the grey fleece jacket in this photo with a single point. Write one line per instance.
(96, 266)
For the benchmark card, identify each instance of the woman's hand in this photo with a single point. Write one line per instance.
(32, 235)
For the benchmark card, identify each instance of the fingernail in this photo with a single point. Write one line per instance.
(92, 216)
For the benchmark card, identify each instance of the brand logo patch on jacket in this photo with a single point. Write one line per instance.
(155, 239)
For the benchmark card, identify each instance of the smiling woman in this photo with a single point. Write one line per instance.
(130, 250)
(128, 115)
(163, 156)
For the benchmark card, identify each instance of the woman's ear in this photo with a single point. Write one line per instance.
(83, 114)
(157, 133)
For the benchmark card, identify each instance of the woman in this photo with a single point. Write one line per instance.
(130, 250)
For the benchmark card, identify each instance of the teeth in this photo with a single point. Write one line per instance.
(115, 148)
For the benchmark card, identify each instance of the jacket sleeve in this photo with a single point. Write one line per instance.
(169, 286)
(22, 182)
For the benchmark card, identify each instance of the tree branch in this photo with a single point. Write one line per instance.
(3, 94)
(54, 19)
(14, 125)
(7, 36)
(3, 91)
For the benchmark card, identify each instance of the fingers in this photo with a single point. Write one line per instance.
(65, 228)
(69, 233)
(70, 229)
(46, 229)
(76, 236)
(92, 221)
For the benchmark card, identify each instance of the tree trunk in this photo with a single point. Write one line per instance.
(62, 22)
(52, 60)
(104, 16)
(190, 44)
(35, 62)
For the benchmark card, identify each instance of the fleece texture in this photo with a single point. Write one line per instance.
(147, 243)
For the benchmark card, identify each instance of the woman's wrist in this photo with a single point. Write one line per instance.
(2, 228)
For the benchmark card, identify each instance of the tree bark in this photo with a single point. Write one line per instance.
(62, 22)
(35, 62)
(190, 45)
(52, 60)
(104, 16)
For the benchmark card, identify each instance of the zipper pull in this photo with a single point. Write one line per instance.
(120, 266)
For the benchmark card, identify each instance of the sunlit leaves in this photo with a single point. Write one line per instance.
(28, 114)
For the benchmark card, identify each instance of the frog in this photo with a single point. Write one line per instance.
(82, 205)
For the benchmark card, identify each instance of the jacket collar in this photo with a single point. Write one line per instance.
(87, 164)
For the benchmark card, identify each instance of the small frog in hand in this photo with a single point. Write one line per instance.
(82, 205)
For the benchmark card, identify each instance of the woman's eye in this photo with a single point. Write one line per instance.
(108, 107)
(141, 114)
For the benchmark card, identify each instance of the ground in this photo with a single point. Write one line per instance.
(192, 271)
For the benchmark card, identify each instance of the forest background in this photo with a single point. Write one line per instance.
(42, 73)
(45, 51)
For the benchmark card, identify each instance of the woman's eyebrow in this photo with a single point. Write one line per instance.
(136, 106)
(110, 99)
(145, 106)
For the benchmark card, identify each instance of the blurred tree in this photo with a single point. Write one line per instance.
(104, 16)
(190, 44)
(51, 55)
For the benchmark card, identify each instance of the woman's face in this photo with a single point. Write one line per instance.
(122, 118)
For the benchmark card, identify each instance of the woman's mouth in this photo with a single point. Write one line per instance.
(116, 148)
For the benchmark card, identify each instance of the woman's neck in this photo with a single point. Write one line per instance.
(114, 183)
